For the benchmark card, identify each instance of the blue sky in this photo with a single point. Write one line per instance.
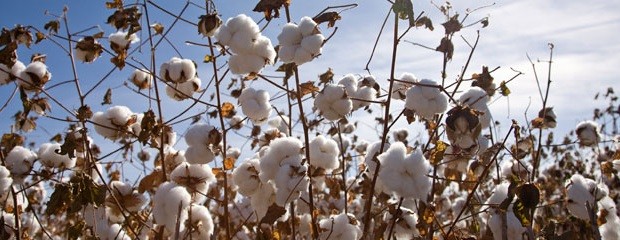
(584, 33)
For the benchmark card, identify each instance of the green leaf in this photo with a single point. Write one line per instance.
(404, 10)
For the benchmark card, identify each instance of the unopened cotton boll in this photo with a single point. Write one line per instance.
(476, 98)
(141, 78)
(255, 104)
(34, 76)
(286, 150)
(185, 90)
(340, 227)
(399, 88)
(404, 174)
(587, 133)
(426, 101)
(245, 176)
(324, 153)
(9, 74)
(5, 180)
(178, 70)
(19, 161)
(333, 102)
(50, 158)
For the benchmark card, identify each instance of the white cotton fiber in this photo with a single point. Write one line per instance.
(290, 35)
(245, 176)
(49, 157)
(324, 153)
(255, 104)
(333, 103)
(313, 43)
(426, 101)
(405, 175)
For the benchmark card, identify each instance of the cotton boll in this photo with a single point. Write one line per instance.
(200, 223)
(178, 70)
(281, 151)
(367, 94)
(34, 76)
(313, 44)
(5, 180)
(290, 181)
(514, 228)
(245, 176)
(588, 133)
(519, 169)
(340, 227)
(185, 90)
(280, 122)
(405, 227)
(286, 53)
(246, 63)
(196, 178)
(199, 154)
(120, 41)
(198, 134)
(307, 26)
(302, 56)
(263, 48)
(129, 197)
(324, 153)
(242, 42)
(49, 157)
(166, 202)
(399, 89)
(19, 161)
(103, 127)
(262, 198)
(7, 75)
(578, 194)
(373, 150)
(290, 35)
(223, 35)
(405, 175)
(333, 103)
(141, 78)
(119, 115)
(255, 104)
(349, 82)
(426, 101)
(476, 98)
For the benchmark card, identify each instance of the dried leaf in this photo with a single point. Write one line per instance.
(529, 195)
(208, 58)
(409, 114)
(158, 28)
(485, 22)
(271, 8)
(273, 213)
(326, 77)
(107, 98)
(287, 68)
(453, 25)
(84, 113)
(426, 22)
(114, 4)
(229, 163)
(330, 17)
(228, 110)
(151, 181)
(52, 26)
(69, 146)
(307, 88)
(446, 47)
(504, 89)
(40, 37)
(59, 200)
(437, 152)
(404, 10)
(8, 54)
(522, 213)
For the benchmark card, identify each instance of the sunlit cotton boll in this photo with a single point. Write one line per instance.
(340, 227)
(199, 223)
(34, 76)
(242, 31)
(300, 44)
(255, 104)
(290, 35)
(324, 153)
(49, 157)
(587, 133)
(7, 75)
(357, 90)
(609, 229)
(141, 78)
(404, 174)
(399, 88)
(281, 151)
(198, 134)
(580, 191)
(5, 180)
(113, 124)
(290, 181)
(245, 176)
(195, 177)
(426, 101)
(178, 70)
(280, 122)
(242, 64)
(333, 102)
(476, 98)
(185, 90)
(166, 202)
(120, 41)
(19, 161)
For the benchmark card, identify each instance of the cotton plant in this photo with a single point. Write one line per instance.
(281, 151)
(300, 43)
(49, 156)
(426, 100)
(127, 196)
(34, 76)
(263, 198)
(333, 102)
(588, 133)
(199, 223)
(9, 74)
(181, 78)
(476, 98)
(400, 88)
(255, 105)
(19, 161)
(201, 139)
(405, 225)
(115, 123)
(88, 49)
(340, 227)
(251, 50)
(290, 182)
(361, 94)
(120, 41)
(281, 123)
(405, 174)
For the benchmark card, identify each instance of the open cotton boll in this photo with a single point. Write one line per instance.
(404, 174)
(307, 26)
(313, 43)
(5, 180)
(405, 228)
(121, 40)
(245, 177)
(290, 35)
(166, 202)
(223, 35)
(49, 157)
(520, 169)
(333, 102)
(246, 63)
(340, 227)
(263, 48)
(119, 115)
(587, 133)
(7, 75)
(199, 154)
(19, 161)
(242, 22)
(324, 153)
(579, 192)
(199, 224)
(426, 101)
(104, 127)
(302, 56)
(349, 82)
(242, 42)
(514, 228)
(185, 90)
(131, 199)
(609, 229)
(255, 104)
(366, 96)
(477, 99)
(198, 134)
(399, 89)
(196, 178)
(178, 70)
(290, 181)
(262, 198)
(371, 151)
(281, 151)
(280, 122)
(141, 78)
(34, 76)
(287, 53)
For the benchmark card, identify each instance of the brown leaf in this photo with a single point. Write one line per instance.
(529, 195)
(114, 4)
(271, 8)
(409, 114)
(107, 98)
(151, 181)
(287, 68)
(69, 146)
(158, 28)
(453, 25)
(52, 26)
(214, 137)
(426, 22)
(84, 113)
(307, 88)
(40, 37)
(273, 213)
(326, 77)
(8, 54)
(229, 163)
(484, 80)
(446, 47)
(330, 17)
(437, 152)
(228, 110)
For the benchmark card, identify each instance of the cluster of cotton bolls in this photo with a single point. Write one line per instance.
(34, 76)
(201, 138)
(405, 174)
(50, 158)
(514, 228)
(426, 100)
(255, 105)
(581, 191)
(340, 226)
(333, 102)
(10, 74)
(361, 94)
(251, 50)
(588, 133)
(300, 43)
(117, 122)
(19, 161)
(181, 78)
(399, 88)
(476, 98)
